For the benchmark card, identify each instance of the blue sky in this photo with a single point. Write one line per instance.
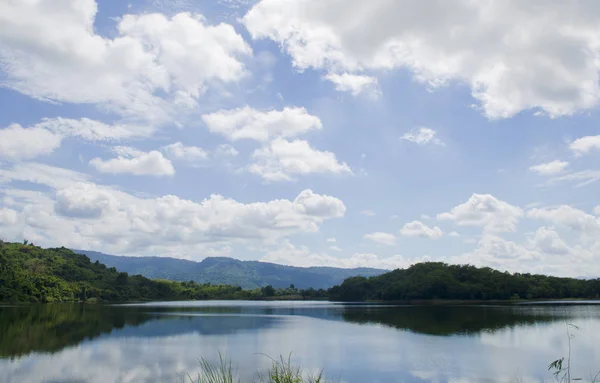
(354, 134)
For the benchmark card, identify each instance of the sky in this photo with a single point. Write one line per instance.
(305, 132)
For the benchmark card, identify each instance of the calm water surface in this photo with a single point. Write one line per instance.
(160, 342)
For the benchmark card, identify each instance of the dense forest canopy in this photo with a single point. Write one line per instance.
(436, 280)
(29, 273)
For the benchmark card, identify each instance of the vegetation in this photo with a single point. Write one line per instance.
(282, 371)
(29, 273)
(229, 271)
(436, 280)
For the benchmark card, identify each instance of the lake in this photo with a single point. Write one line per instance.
(353, 343)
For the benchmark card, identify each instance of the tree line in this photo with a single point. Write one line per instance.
(437, 280)
(29, 273)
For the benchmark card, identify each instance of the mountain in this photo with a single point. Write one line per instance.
(30, 273)
(222, 270)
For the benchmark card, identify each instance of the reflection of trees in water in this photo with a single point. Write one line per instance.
(50, 328)
(448, 320)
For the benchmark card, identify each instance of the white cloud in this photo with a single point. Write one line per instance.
(37, 173)
(597, 210)
(96, 216)
(577, 220)
(181, 152)
(584, 177)
(585, 145)
(354, 84)
(281, 160)
(331, 240)
(17, 143)
(497, 252)
(478, 43)
(92, 130)
(454, 234)
(334, 248)
(226, 150)
(302, 256)
(422, 136)
(550, 168)
(132, 161)
(543, 251)
(46, 47)
(367, 213)
(84, 201)
(8, 216)
(486, 211)
(249, 123)
(419, 229)
(382, 238)
(548, 241)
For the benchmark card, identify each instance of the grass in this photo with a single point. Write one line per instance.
(282, 371)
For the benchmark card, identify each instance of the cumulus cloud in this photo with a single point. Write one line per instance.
(367, 213)
(550, 168)
(548, 241)
(181, 152)
(454, 234)
(485, 210)
(495, 251)
(92, 215)
(281, 160)
(302, 256)
(18, 143)
(8, 216)
(354, 84)
(249, 123)
(47, 46)
(422, 136)
(419, 229)
(382, 238)
(134, 162)
(481, 44)
(585, 145)
(587, 225)
(84, 201)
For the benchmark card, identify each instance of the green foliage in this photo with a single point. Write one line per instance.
(281, 371)
(31, 274)
(221, 373)
(436, 280)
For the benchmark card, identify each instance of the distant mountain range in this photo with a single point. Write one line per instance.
(223, 270)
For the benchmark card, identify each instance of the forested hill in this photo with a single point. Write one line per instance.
(221, 270)
(29, 273)
(435, 280)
